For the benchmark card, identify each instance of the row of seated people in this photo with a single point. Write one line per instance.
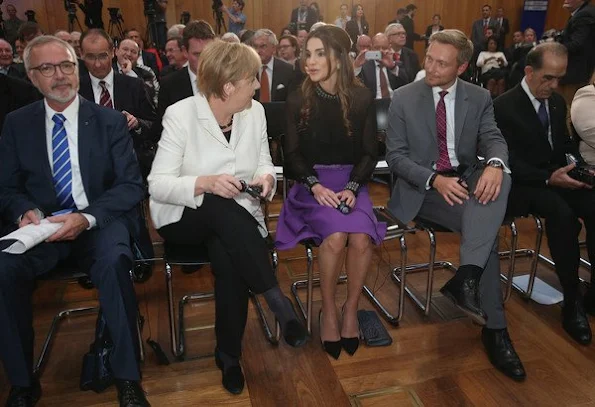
(330, 149)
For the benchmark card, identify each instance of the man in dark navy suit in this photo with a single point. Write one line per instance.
(70, 161)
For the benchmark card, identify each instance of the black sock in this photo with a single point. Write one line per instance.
(280, 305)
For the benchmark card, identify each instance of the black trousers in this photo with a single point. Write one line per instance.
(239, 259)
(561, 209)
(106, 255)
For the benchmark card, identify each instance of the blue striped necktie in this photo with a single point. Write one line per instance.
(61, 160)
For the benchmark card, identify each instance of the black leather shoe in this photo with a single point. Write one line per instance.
(576, 323)
(589, 303)
(295, 334)
(465, 295)
(502, 354)
(131, 394)
(24, 396)
(333, 348)
(233, 378)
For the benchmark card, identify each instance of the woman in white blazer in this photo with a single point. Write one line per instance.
(211, 142)
(583, 120)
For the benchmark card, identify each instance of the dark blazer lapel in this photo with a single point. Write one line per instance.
(86, 117)
(86, 89)
(40, 146)
(461, 108)
(554, 122)
(533, 121)
(118, 92)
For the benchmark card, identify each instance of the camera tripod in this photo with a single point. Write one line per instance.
(72, 18)
(219, 21)
(115, 24)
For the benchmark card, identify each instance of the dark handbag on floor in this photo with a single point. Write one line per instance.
(96, 373)
(375, 334)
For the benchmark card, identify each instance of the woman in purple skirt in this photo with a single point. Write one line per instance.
(330, 149)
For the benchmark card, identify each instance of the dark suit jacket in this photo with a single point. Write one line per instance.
(109, 170)
(17, 71)
(501, 31)
(368, 77)
(353, 30)
(477, 36)
(532, 159)
(174, 87)
(283, 74)
(409, 26)
(14, 94)
(579, 39)
(408, 65)
(150, 60)
(131, 95)
(311, 19)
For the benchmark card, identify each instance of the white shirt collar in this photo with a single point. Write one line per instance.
(109, 80)
(452, 91)
(525, 87)
(192, 74)
(71, 113)
(269, 65)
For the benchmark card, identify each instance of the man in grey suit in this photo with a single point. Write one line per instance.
(436, 129)
(480, 26)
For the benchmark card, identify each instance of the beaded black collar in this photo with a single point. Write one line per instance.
(325, 95)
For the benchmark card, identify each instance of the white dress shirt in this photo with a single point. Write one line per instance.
(449, 103)
(140, 61)
(109, 84)
(192, 79)
(71, 113)
(381, 70)
(536, 103)
(269, 66)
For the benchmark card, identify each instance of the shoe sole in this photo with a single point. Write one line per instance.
(475, 317)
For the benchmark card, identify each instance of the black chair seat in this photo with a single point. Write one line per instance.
(185, 255)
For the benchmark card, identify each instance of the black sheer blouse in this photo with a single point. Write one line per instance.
(324, 139)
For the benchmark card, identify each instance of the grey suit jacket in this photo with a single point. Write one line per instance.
(411, 143)
(477, 36)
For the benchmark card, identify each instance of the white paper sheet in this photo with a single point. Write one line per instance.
(30, 236)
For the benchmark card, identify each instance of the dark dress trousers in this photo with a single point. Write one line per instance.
(532, 161)
(113, 185)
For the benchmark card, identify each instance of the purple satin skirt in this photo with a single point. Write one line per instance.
(302, 217)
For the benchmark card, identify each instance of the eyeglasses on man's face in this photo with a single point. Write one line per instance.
(49, 70)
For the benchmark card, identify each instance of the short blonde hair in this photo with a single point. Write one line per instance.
(224, 62)
(457, 39)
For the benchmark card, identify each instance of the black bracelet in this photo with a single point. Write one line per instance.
(432, 179)
(353, 187)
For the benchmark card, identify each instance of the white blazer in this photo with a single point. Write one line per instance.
(193, 145)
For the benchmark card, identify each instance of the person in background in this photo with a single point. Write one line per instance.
(583, 120)
(12, 24)
(407, 60)
(230, 37)
(344, 17)
(303, 17)
(501, 27)
(145, 57)
(174, 51)
(316, 8)
(237, 19)
(126, 64)
(76, 42)
(301, 38)
(432, 28)
(287, 49)
(517, 41)
(363, 44)
(409, 25)
(19, 48)
(176, 30)
(358, 25)
(210, 143)
(331, 151)
(492, 63)
(7, 66)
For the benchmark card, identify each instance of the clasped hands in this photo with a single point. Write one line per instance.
(228, 186)
(456, 192)
(328, 197)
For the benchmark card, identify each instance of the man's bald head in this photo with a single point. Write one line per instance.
(363, 43)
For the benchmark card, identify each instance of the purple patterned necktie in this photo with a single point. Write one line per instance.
(443, 163)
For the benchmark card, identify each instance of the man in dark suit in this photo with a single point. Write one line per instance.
(71, 161)
(501, 27)
(125, 63)
(145, 58)
(303, 17)
(14, 94)
(7, 67)
(277, 78)
(436, 127)
(120, 92)
(479, 28)
(579, 39)
(381, 76)
(181, 84)
(532, 118)
(409, 25)
(406, 59)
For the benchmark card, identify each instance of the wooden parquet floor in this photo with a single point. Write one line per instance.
(433, 361)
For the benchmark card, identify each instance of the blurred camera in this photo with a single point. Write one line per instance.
(373, 55)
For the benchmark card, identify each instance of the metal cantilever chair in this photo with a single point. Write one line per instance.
(185, 255)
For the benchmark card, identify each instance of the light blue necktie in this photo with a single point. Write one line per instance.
(61, 160)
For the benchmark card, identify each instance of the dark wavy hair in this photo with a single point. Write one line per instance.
(336, 42)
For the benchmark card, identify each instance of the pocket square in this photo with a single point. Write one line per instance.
(280, 86)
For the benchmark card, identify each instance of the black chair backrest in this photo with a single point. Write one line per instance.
(276, 119)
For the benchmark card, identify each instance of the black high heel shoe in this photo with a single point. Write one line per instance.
(333, 348)
(350, 344)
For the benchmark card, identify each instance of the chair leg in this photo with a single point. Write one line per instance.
(511, 260)
(391, 319)
(37, 370)
(171, 312)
